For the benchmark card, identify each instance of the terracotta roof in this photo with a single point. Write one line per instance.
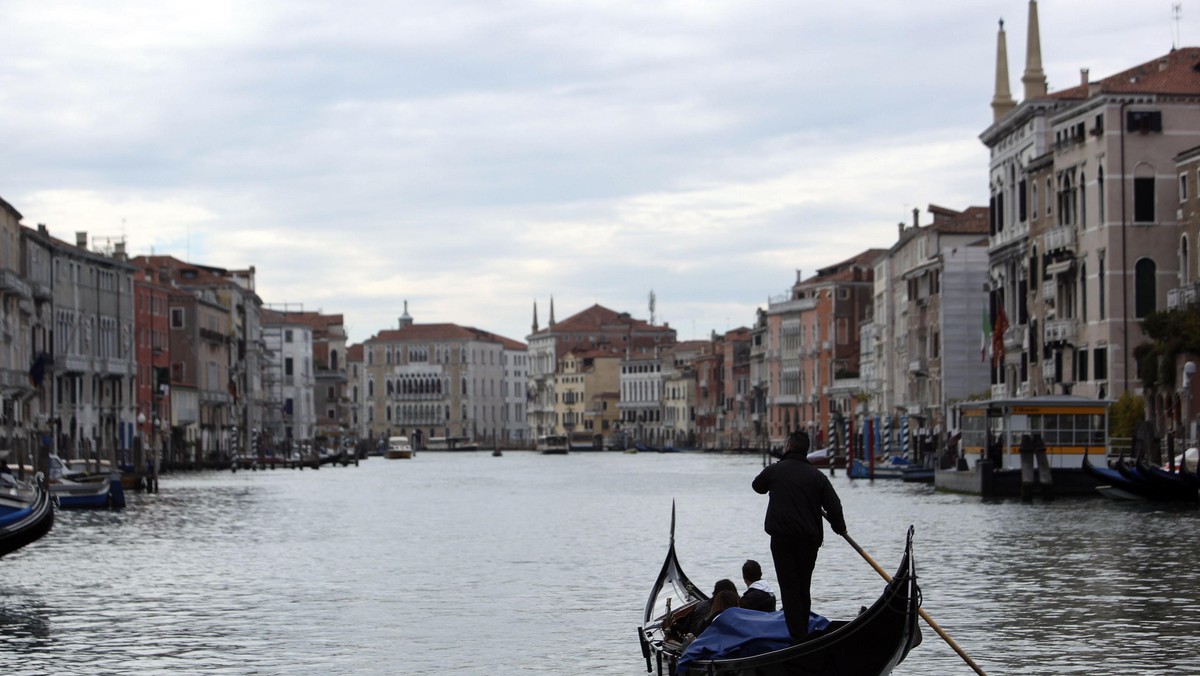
(443, 332)
(848, 269)
(354, 352)
(1177, 72)
(973, 220)
(599, 318)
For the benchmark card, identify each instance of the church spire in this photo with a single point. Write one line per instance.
(405, 320)
(1034, 77)
(551, 311)
(535, 324)
(1002, 102)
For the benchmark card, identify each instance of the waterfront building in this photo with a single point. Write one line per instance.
(439, 380)
(23, 350)
(760, 377)
(925, 323)
(641, 401)
(514, 426)
(234, 289)
(735, 427)
(152, 333)
(1174, 404)
(812, 343)
(330, 401)
(680, 386)
(710, 394)
(586, 390)
(289, 381)
(595, 328)
(89, 406)
(355, 388)
(203, 418)
(1084, 235)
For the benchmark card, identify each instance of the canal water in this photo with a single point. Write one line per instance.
(466, 563)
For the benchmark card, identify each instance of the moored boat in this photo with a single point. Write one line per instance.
(26, 513)
(398, 448)
(891, 467)
(552, 444)
(874, 642)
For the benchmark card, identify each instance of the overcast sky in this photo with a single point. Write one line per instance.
(474, 157)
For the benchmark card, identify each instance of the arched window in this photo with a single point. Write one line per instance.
(1145, 292)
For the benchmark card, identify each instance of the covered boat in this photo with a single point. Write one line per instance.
(872, 643)
(26, 513)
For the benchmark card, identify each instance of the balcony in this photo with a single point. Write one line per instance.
(1014, 338)
(918, 366)
(1059, 331)
(1049, 290)
(1060, 239)
(11, 283)
(1048, 370)
(1183, 296)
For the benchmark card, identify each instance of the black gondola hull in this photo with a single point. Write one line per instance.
(872, 643)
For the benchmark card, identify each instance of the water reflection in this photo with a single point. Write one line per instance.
(481, 565)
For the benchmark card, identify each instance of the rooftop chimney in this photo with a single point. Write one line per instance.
(81, 239)
(916, 217)
(1083, 78)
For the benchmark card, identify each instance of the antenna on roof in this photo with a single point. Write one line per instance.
(1177, 10)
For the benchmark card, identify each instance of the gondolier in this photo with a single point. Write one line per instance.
(798, 493)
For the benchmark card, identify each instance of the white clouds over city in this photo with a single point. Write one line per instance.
(473, 157)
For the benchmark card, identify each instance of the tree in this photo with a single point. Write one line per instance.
(1124, 415)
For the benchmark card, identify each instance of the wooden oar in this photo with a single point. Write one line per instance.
(924, 615)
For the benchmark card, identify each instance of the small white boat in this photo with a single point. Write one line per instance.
(553, 444)
(399, 448)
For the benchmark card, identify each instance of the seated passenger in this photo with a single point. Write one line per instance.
(758, 594)
(723, 600)
(699, 617)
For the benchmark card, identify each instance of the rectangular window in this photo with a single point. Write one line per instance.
(177, 318)
(1143, 200)
(1022, 205)
(1100, 363)
(1183, 193)
(1081, 367)
(288, 366)
(287, 336)
(1144, 121)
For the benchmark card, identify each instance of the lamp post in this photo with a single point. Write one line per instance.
(1189, 370)
(139, 451)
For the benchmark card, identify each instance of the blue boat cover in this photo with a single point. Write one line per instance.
(740, 632)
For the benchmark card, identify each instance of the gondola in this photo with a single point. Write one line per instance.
(1115, 485)
(1158, 488)
(26, 513)
(1178, 487)
(872, 643)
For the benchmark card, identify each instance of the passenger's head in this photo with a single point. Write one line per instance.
(751, 571)
(797, 441)
(724, 599)
(724, 585)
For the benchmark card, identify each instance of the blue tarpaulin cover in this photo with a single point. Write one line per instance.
(739, 632)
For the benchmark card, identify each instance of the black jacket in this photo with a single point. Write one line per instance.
(757, 599)
(798, 493)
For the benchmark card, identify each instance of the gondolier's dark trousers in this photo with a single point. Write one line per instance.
(795, 558)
